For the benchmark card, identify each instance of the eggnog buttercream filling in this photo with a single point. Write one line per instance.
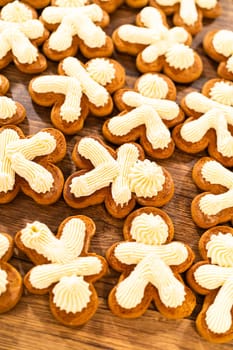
(38, 237)
(166, 109)
(149, 229)
(222, 92)
(4, 245)
(70, 110)
(220, 248)
(229, 64)
(215, 173)
(151, 269)
(95, 92)
(202, 104)
(71, 294)
(16, 12)
(153, 86)
(101, 70)
(7, 107)
(3, 281)
(223, 42)
(156, 132)
(180, 56)
(151, 17)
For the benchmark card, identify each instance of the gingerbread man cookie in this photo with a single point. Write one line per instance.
(150, 264)
(65, 269)
(189, 13)
(147, 113)
(215, 206)
(118, 178)
(27, 164)
(20, 34)
(210, 122)
(76, 27)
(79, 90)
(11, 285)
(159, 48)
(213, 277)
(218, 44)
(111, 5)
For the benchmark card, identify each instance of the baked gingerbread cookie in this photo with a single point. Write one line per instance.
(119, 178)
(111, 5)
(147, 112)
(218, 44)
(11, 112)
(37, 4)
(11, 284)
(189, 14)
(213, 278)
(210, 122)
(21, 33)
(79, 90)
(76, 28)
(27, 164)
(64, 267)
(159, 47)
(216, 204)
(150, 263)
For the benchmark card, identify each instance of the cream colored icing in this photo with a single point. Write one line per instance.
(43, 276)
(131, 253)
(212, 204)
(166, 109)
(95, 92)
(223, 42)
(7, 174)
(7, 107)
(149, 229)
(153, 86)
(4, 245)
(194, 130)
(156, 132)
(220, 249)
(75, 21)
(222, 92)
(151, 17)
(3, 281)
(180, 56)
(229, 64)
(215, 173)
(151, 269)
(127, 155)
(146, 178)
(202, 104)
(101, 70)
(70, 110)
(37, 236)
(16, 11)
(71, 294)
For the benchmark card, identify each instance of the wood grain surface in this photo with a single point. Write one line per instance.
(30, 324)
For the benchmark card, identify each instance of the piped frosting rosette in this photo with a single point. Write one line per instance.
(78, 90)
(27, 164)
(189, 14)
(11, 284)
(20, 34)
(213, 278)
(147, 112)
(215, 205)
(119, 178)
(210, 122)
(159, 48)
(75, 26)
(150, 264)
(65, 269)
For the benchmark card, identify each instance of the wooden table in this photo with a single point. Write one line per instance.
(30, 324)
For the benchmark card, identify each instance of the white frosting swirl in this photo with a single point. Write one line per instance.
(101, 70)
(180, 56)
(16, 12)
(215, 173)
(4, 245)
(220, 249)
(212, 204)
(153, 86)
(3, 281)
(223, 42)
(222, 92)
(7, 107)
(71, 294)
(146, 178)
(149, 229)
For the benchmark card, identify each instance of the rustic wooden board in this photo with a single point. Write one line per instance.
(30, 324)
